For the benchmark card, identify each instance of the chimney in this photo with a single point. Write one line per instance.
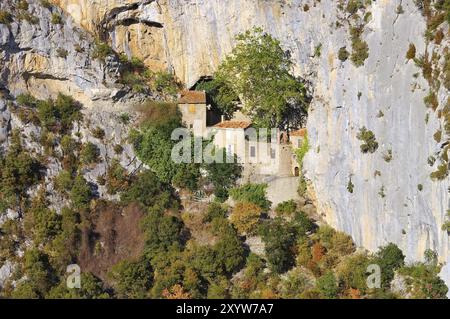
(222, 118)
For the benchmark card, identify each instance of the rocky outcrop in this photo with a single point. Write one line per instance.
(394, 199)
(46, 53)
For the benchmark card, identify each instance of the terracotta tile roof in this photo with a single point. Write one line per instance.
(301, 132)
(192, 97)
(233, 124)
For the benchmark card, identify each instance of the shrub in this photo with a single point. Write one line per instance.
(446, 71)
(118, 149)
(360, 52)
(253, 193)
(131, 279)
(441, 173)
(98, 133)
(81, 193)
(62, 53)
(287, 208)
(59, 115)
(46, 4)
(166, 83)
(146, 189)
(370, 144)
(56, 19)
(437, 136)
(215, 210)
(328, 286)
(399, 9)
(116, 177)
(353, 6)
(438, 37)
(279, 239)
(22, 5)
(101, 50)
(5, 17)
(18, 171)
(389, 258)
(350, 185)
(223, 175)
(26, 100)
(343, 54)
(431, 101)
(426, 65)
(23, 15)
(245, 217)
(301, 152)
(63, 182)
(42, 223)
(90, 153)
(388, 156)
(124, 118)
(411, 54)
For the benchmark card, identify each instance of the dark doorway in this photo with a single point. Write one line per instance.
(296, 171)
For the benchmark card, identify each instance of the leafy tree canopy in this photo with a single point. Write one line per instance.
(258, 70)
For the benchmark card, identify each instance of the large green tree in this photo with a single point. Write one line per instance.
(259, 72)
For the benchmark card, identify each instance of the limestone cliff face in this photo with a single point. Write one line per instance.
(44, 57)
(392, 201)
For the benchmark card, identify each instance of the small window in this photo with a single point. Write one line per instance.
(191, 126)
(252, 151)
(191, 108)
(272, 153)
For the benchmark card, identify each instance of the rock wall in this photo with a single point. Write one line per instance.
(43, 58)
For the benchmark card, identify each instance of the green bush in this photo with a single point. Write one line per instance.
(354, 5)
(116, 177)
(215, 210)
(101, 50)
(287, 208)
(131, 279)
(5, 17)
(91, 288)
(62, 53)
(56, 19)
(431, 100)
(26, 100)
(302, 150)
(90, 154)
(253, 193)
(441, 173)
(389, 258)
(360, 52)
(58, 115)
(387, 156)
(343, 54)
(22, 5)
(23, 15)
(18, 171)
(42, 223)
(328, 286)
(118, 149)
(98, 133)
(166, 83)
(279, 239)
(146, 189)
(81, 193)
(411, 54)
(370, 144)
